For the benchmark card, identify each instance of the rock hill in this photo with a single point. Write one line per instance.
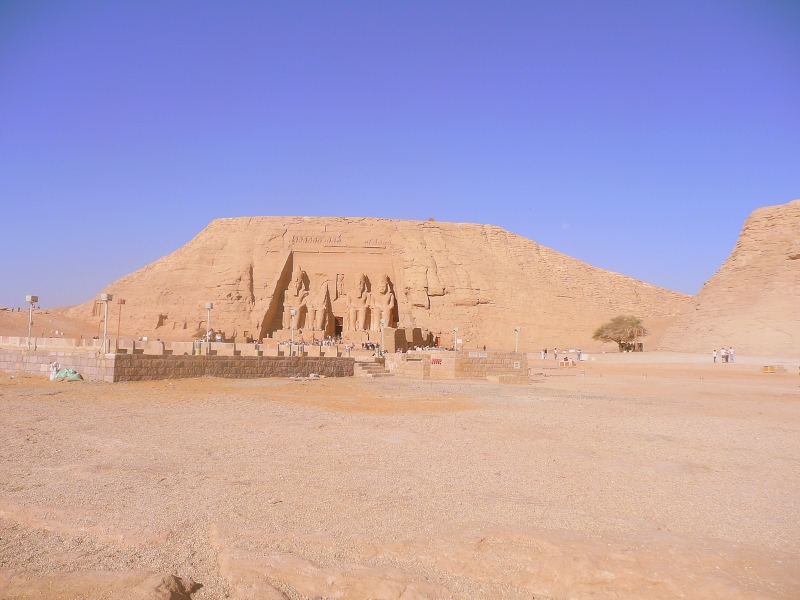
(753, 302)
(345, 274)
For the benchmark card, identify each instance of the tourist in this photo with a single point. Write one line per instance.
(715, 355)
(724, 354)
(555, 353)
(579, 355)
(730, 354)
(545, 353)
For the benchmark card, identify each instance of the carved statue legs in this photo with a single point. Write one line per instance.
(298, 318)
(315, 318)
(377, 314)
(358, 319)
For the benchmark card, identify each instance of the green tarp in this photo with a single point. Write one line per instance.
(68, 375)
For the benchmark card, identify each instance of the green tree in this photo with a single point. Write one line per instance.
(623, 330)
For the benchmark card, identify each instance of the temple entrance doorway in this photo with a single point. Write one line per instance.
(338, 326)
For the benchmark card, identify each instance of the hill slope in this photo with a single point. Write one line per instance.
(481, 278)
(753, 302)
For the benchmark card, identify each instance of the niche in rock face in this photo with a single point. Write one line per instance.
(334, 292)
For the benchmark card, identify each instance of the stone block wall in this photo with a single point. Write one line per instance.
(479, 365)
(443, 365)
(91, 366)
(405, 365)
(462, 365)
(179, 348)
(58, 343)
(395, 339)
(137, 367)
(144, 367)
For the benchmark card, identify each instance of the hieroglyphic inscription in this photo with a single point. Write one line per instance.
(313, 239)
(335, 241)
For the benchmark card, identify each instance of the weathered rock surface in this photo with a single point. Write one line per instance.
(480, 278)
(753, 302)
(122, 585)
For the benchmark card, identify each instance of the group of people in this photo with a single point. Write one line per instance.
(213, 336)
(543, 353)
(726, 356)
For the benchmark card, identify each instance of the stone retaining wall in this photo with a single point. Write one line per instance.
(461, 365)
(479, 365)
(144, 367)
(92, 366)
(139, 367)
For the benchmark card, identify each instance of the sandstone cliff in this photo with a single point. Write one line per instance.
(480, 278)
(753, 302)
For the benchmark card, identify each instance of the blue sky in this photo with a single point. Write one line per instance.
(636, 136)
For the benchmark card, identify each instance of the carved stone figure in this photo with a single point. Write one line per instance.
(358, 304)
(295, 298)
(317, 306)
(383, 303)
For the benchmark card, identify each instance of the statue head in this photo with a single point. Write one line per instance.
(297, 284)
(361, 284)
(383, 284)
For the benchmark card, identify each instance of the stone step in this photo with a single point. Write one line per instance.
(370, 370)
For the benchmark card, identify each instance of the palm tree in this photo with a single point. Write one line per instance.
(622, 330)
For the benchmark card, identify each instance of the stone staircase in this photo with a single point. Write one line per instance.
(376, 368)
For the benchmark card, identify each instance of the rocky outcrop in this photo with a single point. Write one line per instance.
(480, 278)
(753, 302)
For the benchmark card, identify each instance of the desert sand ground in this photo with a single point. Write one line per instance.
(47, 322)
(604, 485)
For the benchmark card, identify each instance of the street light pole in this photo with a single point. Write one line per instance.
(455, 339)
(292, 312)
(516, 333)
(209, 306)
(105, 298)
(120, 302)
(383, 335)
(32, 300)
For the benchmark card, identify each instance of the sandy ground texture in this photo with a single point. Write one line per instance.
(607, 484)
(47, 322)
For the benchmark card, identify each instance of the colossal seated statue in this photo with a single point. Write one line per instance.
(382, 303)
(358, 304)
(295, 299)
(318, 307)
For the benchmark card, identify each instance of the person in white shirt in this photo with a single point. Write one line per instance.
(715, 356)
(730, 354)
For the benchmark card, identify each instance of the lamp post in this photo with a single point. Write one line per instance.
(105, 298)
(516, 333)
(209, 306)
(383, 335)
(120, 302)
(292, 312)
(31, 300)
(455, 339)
